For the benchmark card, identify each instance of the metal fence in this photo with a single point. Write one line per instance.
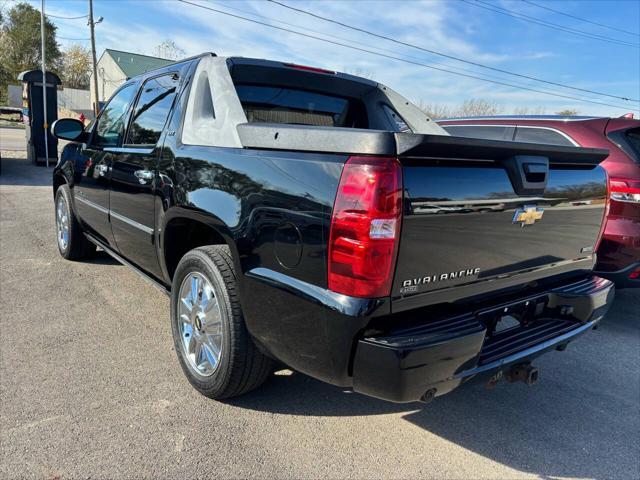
(68, 98)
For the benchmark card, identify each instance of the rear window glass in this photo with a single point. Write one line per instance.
(299, 107)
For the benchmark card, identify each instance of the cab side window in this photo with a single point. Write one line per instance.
(111, 123)
(152, 110)
(487, 132)
(541, 135)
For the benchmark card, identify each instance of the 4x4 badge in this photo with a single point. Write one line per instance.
(528, 215)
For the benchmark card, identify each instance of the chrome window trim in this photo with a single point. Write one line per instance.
(551, 118)
(144, 150)
(516, 126)
(133, 223)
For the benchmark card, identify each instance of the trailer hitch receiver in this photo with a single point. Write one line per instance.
(524, 372)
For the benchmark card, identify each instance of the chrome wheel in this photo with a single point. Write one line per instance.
(62, 222)
(199, 324)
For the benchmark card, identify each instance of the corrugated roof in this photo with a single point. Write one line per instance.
(133, 64)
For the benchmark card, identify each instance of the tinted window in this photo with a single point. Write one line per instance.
(480, 131)
(396, 119)
(541, 135)
(299, 107)
(633, 140)
(110, 127)
(152, 109)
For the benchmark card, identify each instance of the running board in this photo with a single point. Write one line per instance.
(126, 263)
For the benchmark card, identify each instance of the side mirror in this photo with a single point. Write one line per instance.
(68, 129)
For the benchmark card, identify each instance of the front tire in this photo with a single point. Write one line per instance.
(214, 348)
(72, 244)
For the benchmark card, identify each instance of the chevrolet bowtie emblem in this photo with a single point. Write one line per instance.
(528, 215)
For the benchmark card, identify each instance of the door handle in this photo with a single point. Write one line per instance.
(144, 176)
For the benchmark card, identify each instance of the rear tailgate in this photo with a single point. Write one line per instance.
(480, 215)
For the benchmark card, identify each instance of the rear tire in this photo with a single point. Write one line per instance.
(214, 348)
(72, 244)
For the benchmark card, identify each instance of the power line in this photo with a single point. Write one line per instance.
(554, 26)
(398, 58)
(440, 54)
(66, 18)
(76, 39)
(580, 18)
(335, 37)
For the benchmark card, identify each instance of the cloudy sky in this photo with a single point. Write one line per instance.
(607, 60)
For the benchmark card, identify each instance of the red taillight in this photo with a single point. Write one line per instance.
(365, 227)
(309, 69)
(635, 274)
(624, 190)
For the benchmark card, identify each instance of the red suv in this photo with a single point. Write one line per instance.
(619, 251)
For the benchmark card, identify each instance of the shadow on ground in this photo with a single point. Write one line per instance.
(581, 420)
(568, 425)
(101, 258)
(19, 171)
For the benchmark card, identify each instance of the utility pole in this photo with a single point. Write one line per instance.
(96, 107)
(44, 90)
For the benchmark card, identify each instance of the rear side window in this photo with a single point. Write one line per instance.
(632, 140)
(396, 120)
(488, 132)
(299, 107)
(541, 135)
(152, 109)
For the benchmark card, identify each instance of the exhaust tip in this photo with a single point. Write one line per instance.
(428, 395)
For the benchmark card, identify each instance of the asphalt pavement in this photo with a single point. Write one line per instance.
(90, 387)
(12, 139)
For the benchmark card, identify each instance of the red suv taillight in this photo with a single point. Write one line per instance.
(365, 227)
(624, 190)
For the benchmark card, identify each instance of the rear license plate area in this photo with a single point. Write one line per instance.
(512, 315)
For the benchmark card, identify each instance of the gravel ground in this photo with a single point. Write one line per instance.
(90, 387)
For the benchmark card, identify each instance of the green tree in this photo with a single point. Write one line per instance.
(569, 112)
(76, 67)
(20, 44)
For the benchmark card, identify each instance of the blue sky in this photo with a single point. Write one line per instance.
(452, 27)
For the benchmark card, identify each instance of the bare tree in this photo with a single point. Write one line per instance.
(473, 107)
(359, 72)
(169, 50)
(434, 110)
(540, 110)
(477, 107)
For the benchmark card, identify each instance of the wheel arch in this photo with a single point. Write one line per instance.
(184, 230)
(58, 180)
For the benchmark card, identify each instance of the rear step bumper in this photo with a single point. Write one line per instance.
(436, 357)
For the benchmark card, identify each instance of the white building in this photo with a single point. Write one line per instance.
(115, 67)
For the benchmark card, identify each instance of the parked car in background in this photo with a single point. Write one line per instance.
(619, 251)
